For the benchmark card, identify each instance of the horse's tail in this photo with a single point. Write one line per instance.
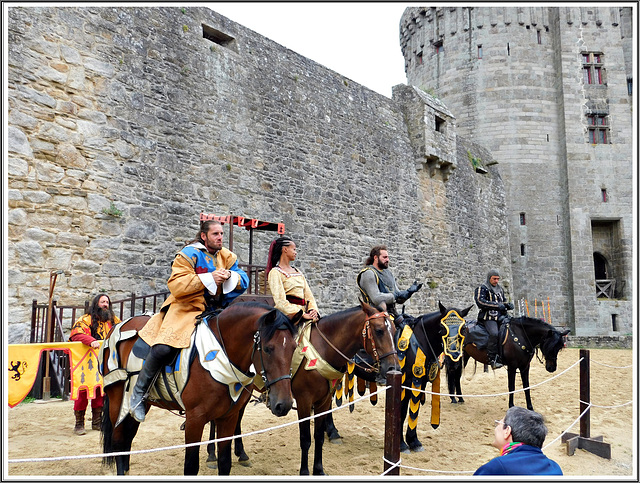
(106, 434)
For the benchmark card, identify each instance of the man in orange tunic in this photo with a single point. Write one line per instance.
(205, 276)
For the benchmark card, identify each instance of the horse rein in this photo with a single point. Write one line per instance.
(366, 335)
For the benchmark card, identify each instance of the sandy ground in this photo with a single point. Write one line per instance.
(453, 451)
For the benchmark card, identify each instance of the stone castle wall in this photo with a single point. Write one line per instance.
(168, 112)
(513, 79)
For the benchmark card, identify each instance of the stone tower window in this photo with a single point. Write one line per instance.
(522, 249)
(439, 124)
(419, 58)
(605, 197)
(539, 37)
(438, 46)
(592, 68)
(218, 37)
(479, 51)
(523, 220)
(598, 127)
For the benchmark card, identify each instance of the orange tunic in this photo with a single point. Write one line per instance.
(175, 322)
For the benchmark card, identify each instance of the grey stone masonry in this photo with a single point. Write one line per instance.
(125, 123)
(547, 91)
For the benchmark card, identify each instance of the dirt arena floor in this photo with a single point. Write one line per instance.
(453, 451)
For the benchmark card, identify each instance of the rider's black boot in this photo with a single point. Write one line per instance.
(152, 364)
(494, 360)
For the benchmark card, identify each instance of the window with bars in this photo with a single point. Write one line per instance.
(593, 68)
(598, 127)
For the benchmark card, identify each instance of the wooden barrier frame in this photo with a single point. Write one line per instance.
(594, 445)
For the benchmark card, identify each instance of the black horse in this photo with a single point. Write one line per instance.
(419, 341)
(520, 338)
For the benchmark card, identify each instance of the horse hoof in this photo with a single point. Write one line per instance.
(418, 449)
(212, 465)
(460, 400)
(246, 463)
(337, 440)
(453, 401)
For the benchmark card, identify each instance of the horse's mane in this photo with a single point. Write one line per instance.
(281, 322)
(526, 321)
(343, 313)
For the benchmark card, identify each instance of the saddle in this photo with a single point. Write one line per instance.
(308, 357)
(172, 380)
(477, 335)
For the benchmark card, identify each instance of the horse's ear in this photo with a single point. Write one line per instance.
(443, 309)
(271, 316)
(464, 312)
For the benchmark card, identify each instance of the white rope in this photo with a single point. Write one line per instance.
(607, 407)
(393, 465)
(495, 394)
(612, 367)
(199, 443)
(437, 471)
(565, 431)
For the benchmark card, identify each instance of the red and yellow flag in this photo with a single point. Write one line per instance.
(24, 360)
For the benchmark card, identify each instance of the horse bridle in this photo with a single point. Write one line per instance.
(366, 336)
(257, 347)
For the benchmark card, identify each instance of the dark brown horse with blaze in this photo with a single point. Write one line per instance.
(249, 333)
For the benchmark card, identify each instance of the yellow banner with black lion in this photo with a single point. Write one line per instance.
(23, 361)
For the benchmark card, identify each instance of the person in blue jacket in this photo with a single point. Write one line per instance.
(519, 437)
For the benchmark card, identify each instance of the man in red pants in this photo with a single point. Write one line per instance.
(90, 329)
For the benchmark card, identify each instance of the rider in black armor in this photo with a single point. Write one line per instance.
(493, 306)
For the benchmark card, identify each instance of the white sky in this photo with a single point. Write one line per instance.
(358, 40)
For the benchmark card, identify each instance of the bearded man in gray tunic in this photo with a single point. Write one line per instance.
(378, 285)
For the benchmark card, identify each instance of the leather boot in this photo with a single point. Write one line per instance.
(96, 418)
(153, 363)
(79, 429)
(494, 360)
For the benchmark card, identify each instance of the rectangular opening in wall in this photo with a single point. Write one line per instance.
(218, 37)
(603, 192)
(419, 58)
(479, 51)
(522, 249)
(523, 220)
(439, 124)
(437, 45)
(614, 322)
(539, 37)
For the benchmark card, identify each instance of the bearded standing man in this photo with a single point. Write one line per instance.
(90, 329)
(205, 276)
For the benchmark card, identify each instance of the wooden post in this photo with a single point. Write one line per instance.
(584, 440)
(393, 423)
(46, 380)
(585, 394)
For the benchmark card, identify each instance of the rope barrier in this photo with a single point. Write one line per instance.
(500, 393)
(199, 443)
(612, 367)
(381, 390)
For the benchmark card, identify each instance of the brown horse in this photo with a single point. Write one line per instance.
(336, 338)
(249, 333)
(519, 338)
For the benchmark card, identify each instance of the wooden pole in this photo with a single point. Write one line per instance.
(585, 394)
(46, 380)
(393, 423)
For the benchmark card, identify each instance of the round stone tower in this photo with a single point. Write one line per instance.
(548, 90)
